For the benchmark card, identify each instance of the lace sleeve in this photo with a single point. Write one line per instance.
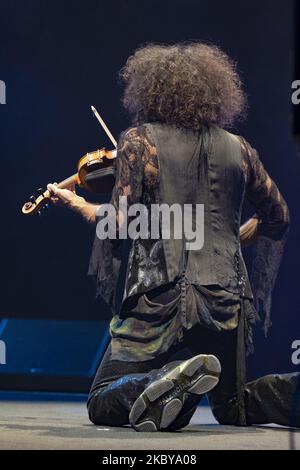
(267, 259)
(129, 171)
(272, 230)
(133, 164)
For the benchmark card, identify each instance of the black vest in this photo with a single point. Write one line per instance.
(195, 168)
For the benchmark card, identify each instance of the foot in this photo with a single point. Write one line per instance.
(161, 402)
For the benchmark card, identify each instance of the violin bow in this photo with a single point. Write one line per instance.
(104, 126)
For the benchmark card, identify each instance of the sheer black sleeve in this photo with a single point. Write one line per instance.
(129, 173)
(273, 223)
(136, 167)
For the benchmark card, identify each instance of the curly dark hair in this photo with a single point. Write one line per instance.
(187, 85)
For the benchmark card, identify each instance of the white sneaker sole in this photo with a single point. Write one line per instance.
(160, 403)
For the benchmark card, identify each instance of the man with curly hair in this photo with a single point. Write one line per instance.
(181, 98)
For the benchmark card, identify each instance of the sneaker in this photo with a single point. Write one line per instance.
(161, 402)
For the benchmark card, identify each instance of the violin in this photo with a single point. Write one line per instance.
(95, 172)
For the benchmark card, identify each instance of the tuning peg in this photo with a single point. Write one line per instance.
(32, 199)
(39, 213)
(40, 191)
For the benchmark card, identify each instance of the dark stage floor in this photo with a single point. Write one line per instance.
(60, 424)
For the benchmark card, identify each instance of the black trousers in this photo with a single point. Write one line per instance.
(270, 399)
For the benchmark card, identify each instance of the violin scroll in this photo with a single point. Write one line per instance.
(95, 172)
(36, 204)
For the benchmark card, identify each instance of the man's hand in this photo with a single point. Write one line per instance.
(68, 198)
(62, 197)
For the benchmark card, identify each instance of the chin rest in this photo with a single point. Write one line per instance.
(101, 181)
